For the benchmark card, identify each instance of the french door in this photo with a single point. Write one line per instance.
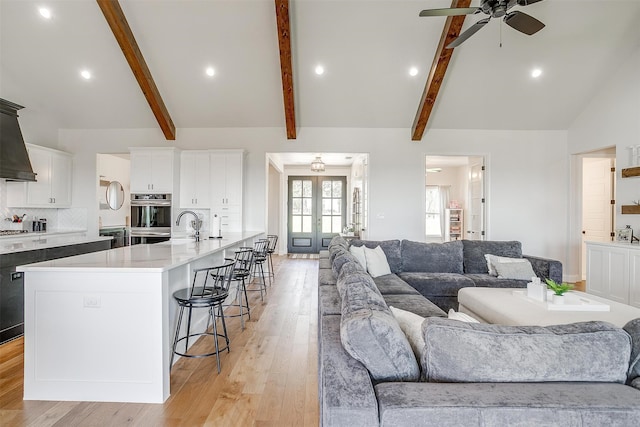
(317, 211)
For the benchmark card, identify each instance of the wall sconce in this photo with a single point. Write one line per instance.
(317, 165)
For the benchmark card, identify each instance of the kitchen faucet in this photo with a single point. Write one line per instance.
(196, 223)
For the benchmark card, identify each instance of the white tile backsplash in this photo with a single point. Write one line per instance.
(73, 218)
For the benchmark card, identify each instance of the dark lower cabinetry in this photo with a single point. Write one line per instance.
(12, 282)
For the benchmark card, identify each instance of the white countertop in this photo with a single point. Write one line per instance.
(156, 257)
(33, 241)
(616, 244)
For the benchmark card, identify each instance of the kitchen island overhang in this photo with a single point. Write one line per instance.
(99, 327)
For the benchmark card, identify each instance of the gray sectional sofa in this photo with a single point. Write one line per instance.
(463, 374)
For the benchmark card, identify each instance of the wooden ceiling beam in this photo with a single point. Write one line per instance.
(450, 32)
(286, 69)
(120, 27)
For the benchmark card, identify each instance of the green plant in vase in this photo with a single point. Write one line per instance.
(558, 289)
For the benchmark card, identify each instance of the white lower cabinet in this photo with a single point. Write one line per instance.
(613, 271)
(52, 189)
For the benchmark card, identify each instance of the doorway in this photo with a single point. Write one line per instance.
(455, 198)
(598, 194)
(316, 211)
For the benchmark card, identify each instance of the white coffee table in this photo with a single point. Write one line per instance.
(503, 306)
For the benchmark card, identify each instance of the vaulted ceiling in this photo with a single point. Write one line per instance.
(365, 46)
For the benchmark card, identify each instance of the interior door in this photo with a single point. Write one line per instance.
(475, 222)
(597, 209)
(316, 212)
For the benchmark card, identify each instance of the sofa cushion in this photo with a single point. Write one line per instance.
(474, 251)
(338, 240)
(372, 336)
(341, 259)
(475, 352)
(346, 399)
(633, 329)
(329, 302)
(392, 284)
(437, 284)
(432, 257)
(391, 248)
(507, 404)
(488, 281)
(353, 275)
(416, 304)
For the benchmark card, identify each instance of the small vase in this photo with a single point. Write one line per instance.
(557, 299)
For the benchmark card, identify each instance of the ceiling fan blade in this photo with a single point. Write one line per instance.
(522, 22)
(527, 2)
(455, 11)
(468, 33)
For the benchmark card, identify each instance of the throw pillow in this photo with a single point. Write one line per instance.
(463, 317)
(411, 325)
(515, 270)
(377, 264)
(372, 336)
(358, 252)
(491, 259)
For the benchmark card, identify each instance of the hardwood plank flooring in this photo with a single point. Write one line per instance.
(269, 378)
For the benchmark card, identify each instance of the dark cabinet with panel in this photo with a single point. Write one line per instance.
(12, 282)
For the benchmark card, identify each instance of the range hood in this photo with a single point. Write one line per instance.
(14, 159)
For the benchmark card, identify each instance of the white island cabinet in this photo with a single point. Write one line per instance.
(99, 326)
(613, 271)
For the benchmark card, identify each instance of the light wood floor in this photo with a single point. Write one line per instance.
(268, 379)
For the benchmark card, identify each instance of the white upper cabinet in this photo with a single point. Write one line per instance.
(52, 189)
(152, 170)
(226, 188)
(195, 179)
(226, 177)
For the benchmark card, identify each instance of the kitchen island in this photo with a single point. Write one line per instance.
(29, 248)
(99, 327)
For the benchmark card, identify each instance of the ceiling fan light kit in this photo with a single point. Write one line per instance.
(517, 20)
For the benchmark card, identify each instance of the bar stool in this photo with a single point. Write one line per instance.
(209, 289)
(273, 243)
(242, 269)
(260, 248)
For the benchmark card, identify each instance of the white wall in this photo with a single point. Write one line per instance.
(114, 168)
(526, 177)
(612, 118)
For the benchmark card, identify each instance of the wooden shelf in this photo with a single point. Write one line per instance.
(631, 172)
(631, 209)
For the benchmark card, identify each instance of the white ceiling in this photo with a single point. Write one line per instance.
(366, 47)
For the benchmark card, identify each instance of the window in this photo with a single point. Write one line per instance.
(433, 228)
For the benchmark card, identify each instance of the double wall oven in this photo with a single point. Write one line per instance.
(150, 218)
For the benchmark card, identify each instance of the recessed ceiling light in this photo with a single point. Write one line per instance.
(536, 72)
(86, 74)
(210, 71)
(45, 13)
(413, 71)
(319, 70)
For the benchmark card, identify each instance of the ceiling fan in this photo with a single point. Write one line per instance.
(517, 20)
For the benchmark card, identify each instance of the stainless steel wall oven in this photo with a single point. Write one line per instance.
(150, 218)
